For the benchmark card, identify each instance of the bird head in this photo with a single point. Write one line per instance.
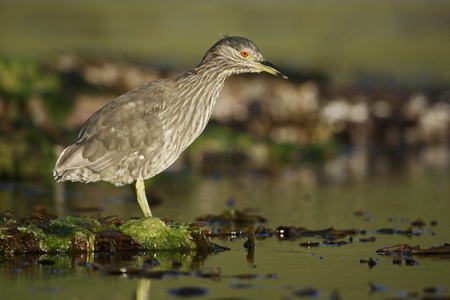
(239, 55)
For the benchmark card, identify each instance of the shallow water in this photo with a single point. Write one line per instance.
(277, 268)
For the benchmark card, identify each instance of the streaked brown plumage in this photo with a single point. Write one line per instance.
(142, 132)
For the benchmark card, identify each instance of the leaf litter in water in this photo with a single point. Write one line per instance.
(231, 216)
(407, 250)
(250, 243)
(408, 261)
(429, 293)
(310, 292)
(328, 233)
(419, 223)
(309, 244)
(238, 218)
(335, 243)
(188, 291)
(371, 262)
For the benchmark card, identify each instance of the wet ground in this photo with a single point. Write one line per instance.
(286, 262)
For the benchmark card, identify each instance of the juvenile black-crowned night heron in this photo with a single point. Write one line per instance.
(142, 132)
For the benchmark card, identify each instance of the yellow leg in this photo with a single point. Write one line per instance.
(139, 188)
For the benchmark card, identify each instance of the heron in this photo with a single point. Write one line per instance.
(142, 132)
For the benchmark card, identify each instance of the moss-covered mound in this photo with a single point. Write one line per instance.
(46, 233)
(152, 233)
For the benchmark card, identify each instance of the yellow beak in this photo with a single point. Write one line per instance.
(266, 66)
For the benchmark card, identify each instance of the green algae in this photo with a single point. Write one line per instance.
(154, 234)
(45, 233)
(71, 223)
(66, 235)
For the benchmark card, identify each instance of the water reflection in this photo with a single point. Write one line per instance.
(188, 193)
(275, 267)
(124, 263)
(140, 266)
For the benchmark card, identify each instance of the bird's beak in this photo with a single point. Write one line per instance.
(266, 66)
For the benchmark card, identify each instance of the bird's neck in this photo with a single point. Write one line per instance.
(200, 87)
(203, 84)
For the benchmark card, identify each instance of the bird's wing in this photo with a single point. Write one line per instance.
(123, 126)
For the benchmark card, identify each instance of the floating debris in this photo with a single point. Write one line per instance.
(418, 223)
(335, 243)
(188, 291)
(328, 233)
(262, 231)
(408, 261)
(223, 232)
(309, 244)
(232, 216)
(403, 249)
(292, 232)
(409, 231)
(250, 243)
(310, 292)
(407, 250)
(371, 262)
(369, 239)
(434, 289)
(411, 262)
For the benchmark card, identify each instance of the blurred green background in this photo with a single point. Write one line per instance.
(362, 74)
(408, 40)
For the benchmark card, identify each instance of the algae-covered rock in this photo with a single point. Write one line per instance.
(152, 233)
(47, 233)
(66, 235)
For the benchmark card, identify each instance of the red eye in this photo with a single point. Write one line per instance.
(244, 53)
